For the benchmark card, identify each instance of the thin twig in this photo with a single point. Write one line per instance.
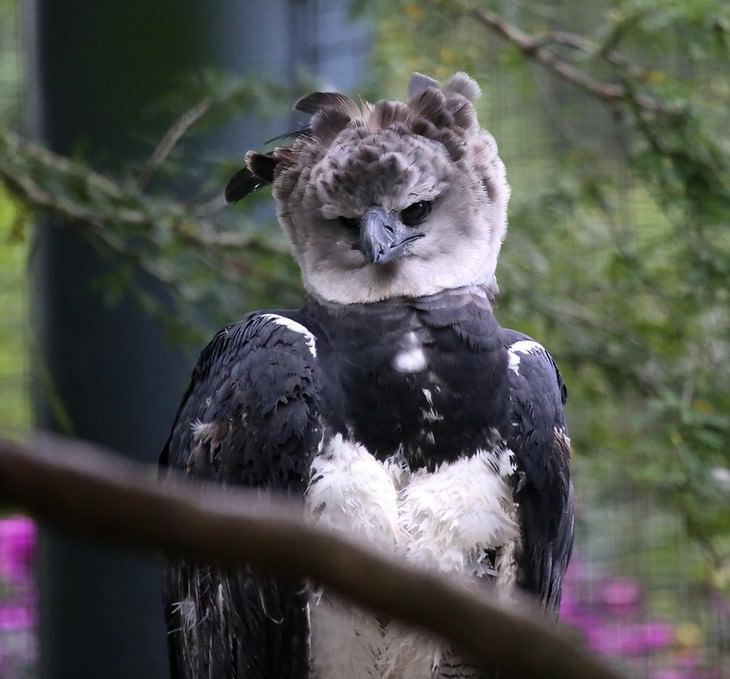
(173, 135)
(80, 488)
(120, 205)
(536, 49)
(21, 148)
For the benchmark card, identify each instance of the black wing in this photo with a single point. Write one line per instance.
(542, 450)
(249, 417)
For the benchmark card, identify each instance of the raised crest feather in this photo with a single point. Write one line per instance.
(386, 113)
(242, 184)
(420, 83)
(328, 123)
(258, 172)
(431, 104)
(461, 83)
(463, 112)
(292, 134)
(318, 101)
(443, 113)
(261, 164)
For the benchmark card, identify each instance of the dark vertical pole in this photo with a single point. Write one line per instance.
(111, 372)
(93, 68)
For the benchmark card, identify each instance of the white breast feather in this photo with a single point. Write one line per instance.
(443, 520)
(353, 492)
(411, 358)
(451, 515)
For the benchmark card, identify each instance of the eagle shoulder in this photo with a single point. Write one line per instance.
(250, 413)
(249, 417)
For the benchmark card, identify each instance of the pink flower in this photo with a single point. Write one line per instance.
(668, 674)
(631, 639)
(623, 595)
(16, 617)
(17, 547)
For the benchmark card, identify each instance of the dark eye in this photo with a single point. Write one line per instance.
(416, 214)
(349, 222)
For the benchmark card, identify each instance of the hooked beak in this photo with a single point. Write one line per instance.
(381, 240)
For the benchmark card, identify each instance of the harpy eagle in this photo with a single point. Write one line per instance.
(392, 403)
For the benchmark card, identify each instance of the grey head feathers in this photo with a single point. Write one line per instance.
(391, 156)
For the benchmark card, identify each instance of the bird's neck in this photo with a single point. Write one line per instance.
(482, 295)
(412, 373)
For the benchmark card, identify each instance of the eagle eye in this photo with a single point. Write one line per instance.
(351, 223)
(416, 214)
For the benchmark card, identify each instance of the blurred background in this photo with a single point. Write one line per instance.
(121, 122)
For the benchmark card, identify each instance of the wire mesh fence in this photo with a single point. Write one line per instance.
(635, 592)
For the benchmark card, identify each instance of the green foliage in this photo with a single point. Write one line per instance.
(14, 405)
(216, 261)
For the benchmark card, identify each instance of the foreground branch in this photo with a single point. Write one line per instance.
(79, 488)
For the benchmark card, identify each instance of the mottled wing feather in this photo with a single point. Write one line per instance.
(250, 418)
(543, 489)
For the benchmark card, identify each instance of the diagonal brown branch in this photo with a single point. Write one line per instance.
(82, 489)
(173, 135)
(21, 160)
(537, 48)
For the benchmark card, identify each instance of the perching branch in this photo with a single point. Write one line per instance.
(80, 488)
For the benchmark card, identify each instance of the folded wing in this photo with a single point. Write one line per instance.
(544, 490)
(248, 418)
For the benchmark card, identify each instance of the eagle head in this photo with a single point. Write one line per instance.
(392, 199)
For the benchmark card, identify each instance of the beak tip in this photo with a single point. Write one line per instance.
(376, 235)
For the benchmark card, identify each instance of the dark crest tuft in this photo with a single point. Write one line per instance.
(461, 83)
(241, 184)
(431, 104)
(328, 123)
(258, 172)
(462, 111)
(387, 113)
(292, 134)
(261, 164)
(317, 101)
(443, 113)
